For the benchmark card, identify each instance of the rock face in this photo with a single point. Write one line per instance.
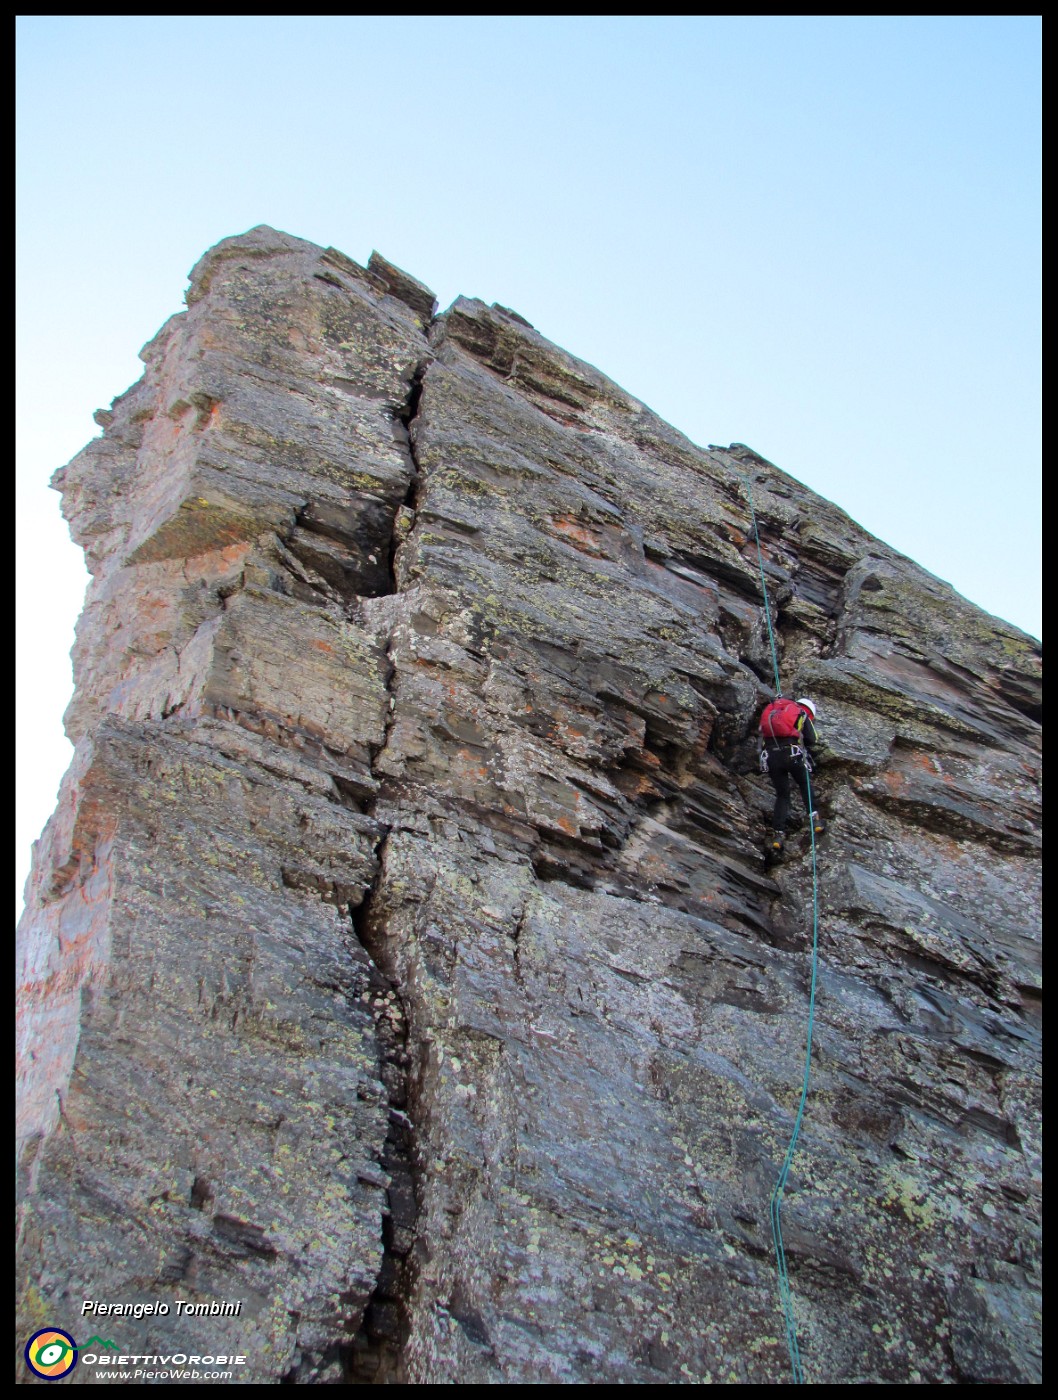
(400, 962)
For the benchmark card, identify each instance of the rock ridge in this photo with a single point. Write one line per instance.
(400, 958)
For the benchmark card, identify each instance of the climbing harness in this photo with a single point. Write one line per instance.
(775, 1204)
(795, 751)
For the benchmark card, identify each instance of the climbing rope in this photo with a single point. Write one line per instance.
(775, 1204)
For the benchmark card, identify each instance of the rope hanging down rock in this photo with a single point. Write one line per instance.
(775, 1204)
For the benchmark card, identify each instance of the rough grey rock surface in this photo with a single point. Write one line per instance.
(401, 960)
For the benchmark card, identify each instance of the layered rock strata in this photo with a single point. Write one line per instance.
(400, 961)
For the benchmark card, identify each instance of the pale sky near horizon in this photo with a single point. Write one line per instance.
(817, 236)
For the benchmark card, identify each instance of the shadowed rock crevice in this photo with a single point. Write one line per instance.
(375, 1354)
(404, 519)
(351, 549)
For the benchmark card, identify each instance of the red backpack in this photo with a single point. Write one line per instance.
(782, 720)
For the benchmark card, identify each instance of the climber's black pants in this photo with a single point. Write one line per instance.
(781, 768)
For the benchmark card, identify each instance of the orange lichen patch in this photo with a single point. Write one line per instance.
(895, 782)
(582, 537)
(658, 700)
(928, 763)
(323, 646)
(637, 785)
(925, 760)
(701, 745)
(567, 824)
(472, 762)
(654, 866)
(152, 607)
(735, 536)
(474, 768)
(233, 553)
(212, 563)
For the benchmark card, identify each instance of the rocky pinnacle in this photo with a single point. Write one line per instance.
(400, 962)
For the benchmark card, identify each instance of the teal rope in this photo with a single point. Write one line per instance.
(775, 1204)
(763, 585)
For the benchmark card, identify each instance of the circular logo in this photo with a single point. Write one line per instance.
(51, 1353)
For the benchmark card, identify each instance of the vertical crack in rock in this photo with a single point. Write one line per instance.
(406, 512)
(375, 1353)
(374, 1356)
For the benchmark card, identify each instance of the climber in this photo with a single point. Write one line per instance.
(790, 747)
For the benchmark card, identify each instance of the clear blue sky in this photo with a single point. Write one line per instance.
(817, 236)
